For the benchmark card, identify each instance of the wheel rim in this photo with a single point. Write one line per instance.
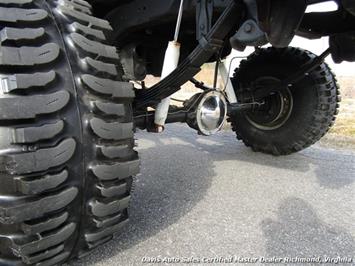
(276, 109)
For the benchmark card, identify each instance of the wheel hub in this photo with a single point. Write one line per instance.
(276, 109)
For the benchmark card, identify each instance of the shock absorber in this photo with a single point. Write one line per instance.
(171, 61)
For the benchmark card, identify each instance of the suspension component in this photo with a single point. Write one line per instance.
(209, 114)
(188, 68)
(171, 61)
(205, 112)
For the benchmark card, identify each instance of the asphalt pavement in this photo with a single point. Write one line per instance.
(211, 199)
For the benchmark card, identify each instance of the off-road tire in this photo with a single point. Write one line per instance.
(315, 101)
(66, 133)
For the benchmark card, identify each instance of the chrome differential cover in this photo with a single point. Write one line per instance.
(211, 112)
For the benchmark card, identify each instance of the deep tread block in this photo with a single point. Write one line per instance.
(37, 185)
(28, 56)
(93, 237)
(96, 22)
(33, 134)
(45, 242)
(80, 28)
(112, 191)
(110, 108)
(40, 160)
(42, 256)
(26, 135)
(114, 152)
(116, 170)
(82, 2)
(75, 6)
(35, 209)
(25, 81)
(51, 223)
(100, 223)
(102, 241)
(55, 260)
(16, 2)
(100, 209)
(111, 131)
(110, 87)
(101, 67)
(20, 14)
(93, 47)
(25, 107)
(16, 34)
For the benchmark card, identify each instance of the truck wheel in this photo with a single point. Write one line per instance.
(66, 133)
(292, 118)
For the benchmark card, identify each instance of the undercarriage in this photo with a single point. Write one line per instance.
(139, 24)
(73, 91)
(209, 30)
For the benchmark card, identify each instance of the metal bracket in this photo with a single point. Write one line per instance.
(249, 34)
(204, 12)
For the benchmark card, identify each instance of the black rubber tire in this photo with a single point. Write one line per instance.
(66, 133)
(315, 101)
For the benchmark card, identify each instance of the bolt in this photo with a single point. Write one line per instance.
(248, 28)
